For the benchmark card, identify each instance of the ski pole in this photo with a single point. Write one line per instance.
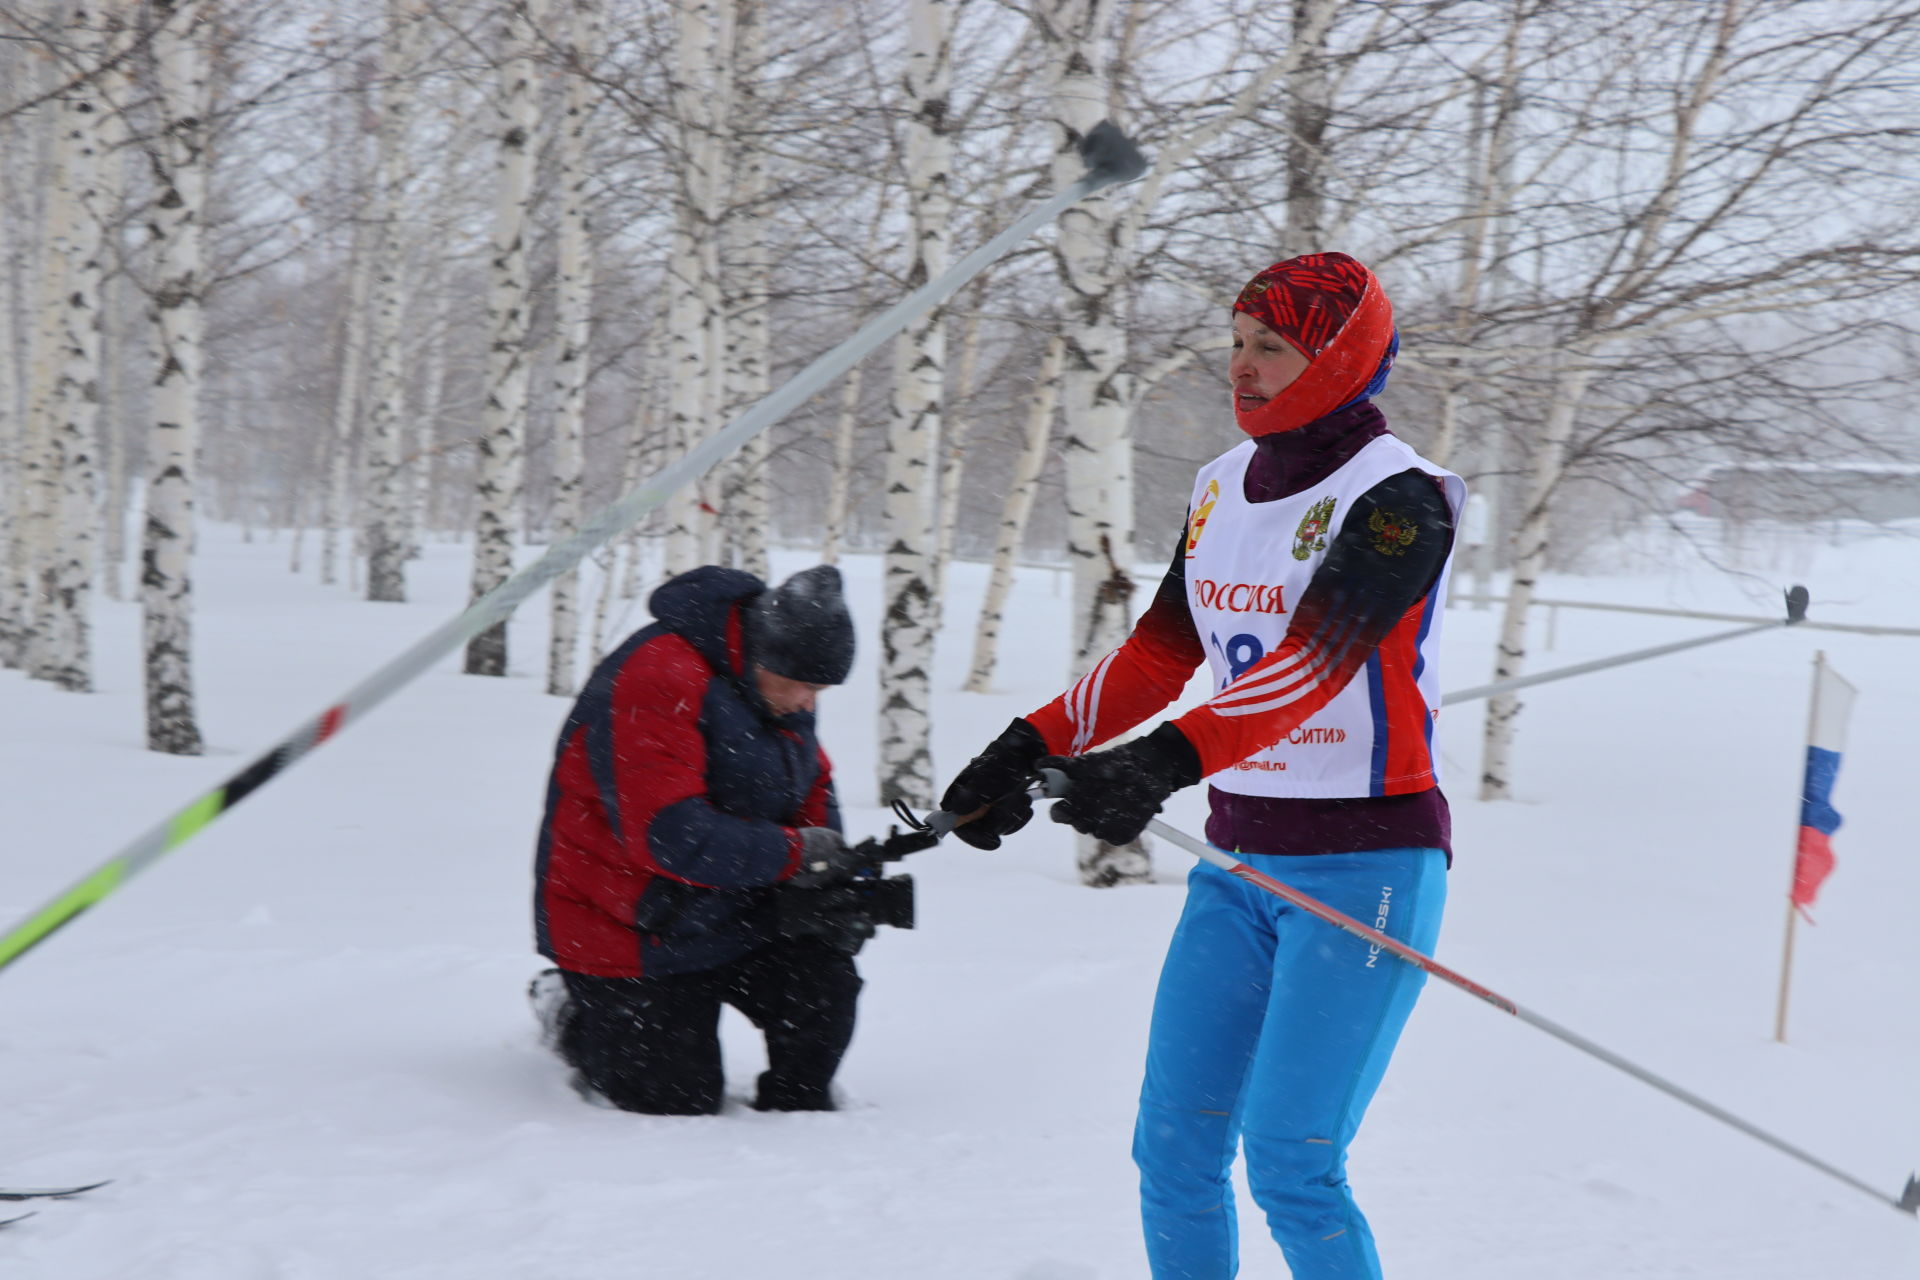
(1796, 612)
(1111, 158)
(1053, 786)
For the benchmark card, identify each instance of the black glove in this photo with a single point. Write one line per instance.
(1112, 794)
(996, 780)
(825, 859)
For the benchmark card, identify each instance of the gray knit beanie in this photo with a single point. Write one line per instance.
(802, 630)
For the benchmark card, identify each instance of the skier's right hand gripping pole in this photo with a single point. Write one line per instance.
(989, 798)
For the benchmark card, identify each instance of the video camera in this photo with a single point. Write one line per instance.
(845, 915)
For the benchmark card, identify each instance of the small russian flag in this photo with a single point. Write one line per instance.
(1826, 735)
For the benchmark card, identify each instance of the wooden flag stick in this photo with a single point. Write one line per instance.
(1786, 976)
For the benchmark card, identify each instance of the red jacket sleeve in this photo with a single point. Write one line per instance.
(1140, 678)
(822, 808)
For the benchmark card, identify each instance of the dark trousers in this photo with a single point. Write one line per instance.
(653, 1044)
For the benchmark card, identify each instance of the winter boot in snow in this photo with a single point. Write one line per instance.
(551, 1006)
(577, 1081)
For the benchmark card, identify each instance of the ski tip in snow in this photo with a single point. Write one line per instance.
(1110, 155)
(1796, 603)
(1910, 1198)
(47, 1193)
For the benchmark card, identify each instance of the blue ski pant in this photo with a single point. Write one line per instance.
(1271, 1030)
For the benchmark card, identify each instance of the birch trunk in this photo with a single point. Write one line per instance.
(339, 458)
(1532, 535)
(176, 223)
(840, 482)
(959, 419)
(953, 443)
(646, 453)
(713, 301)
(39, 456)
(28, 363)
(503, 417)
(745, 511)
(573, 319)
(607, 561)
(1483, 208)
(913, 429)
(12, 547)
(68, 589)
(433, 394)
(115, 487)
(1309, 110)
(698, 51)
(387, 475)
(39, 461)
(1013, 516)
(1096, 391)
(13, 566)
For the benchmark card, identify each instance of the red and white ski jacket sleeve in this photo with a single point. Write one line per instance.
(1353, 602)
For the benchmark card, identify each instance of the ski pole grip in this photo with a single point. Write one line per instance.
(942, 823)
(1054, 784)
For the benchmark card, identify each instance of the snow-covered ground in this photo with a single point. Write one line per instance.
(301, 1049)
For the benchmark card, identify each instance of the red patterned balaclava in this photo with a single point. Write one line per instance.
(1331, 308)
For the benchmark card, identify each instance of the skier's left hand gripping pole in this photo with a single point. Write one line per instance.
(1111, 158)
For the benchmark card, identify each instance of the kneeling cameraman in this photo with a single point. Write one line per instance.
(687, 784)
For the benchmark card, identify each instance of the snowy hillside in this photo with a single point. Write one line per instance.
(300, 1046)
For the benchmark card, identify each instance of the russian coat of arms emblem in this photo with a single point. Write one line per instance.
(1392, 532)
(1311, 536)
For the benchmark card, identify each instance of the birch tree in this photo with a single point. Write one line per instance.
(1486, 200)
(1309, 109)
(388, 480)
(352, 344)
(744, 510)
(913, 431)
(62, 242)
(696, 316)
(847, 419)
(115, 487)
(1756, 108)
(176, 297)
(1013, 515)
(503, 418)
(14, 568)
(84, 177)
(582, 33)
(13, 250)
(39, 474)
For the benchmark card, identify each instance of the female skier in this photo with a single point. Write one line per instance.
(1311, 576)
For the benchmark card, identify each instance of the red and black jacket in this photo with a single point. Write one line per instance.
(675, 795)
